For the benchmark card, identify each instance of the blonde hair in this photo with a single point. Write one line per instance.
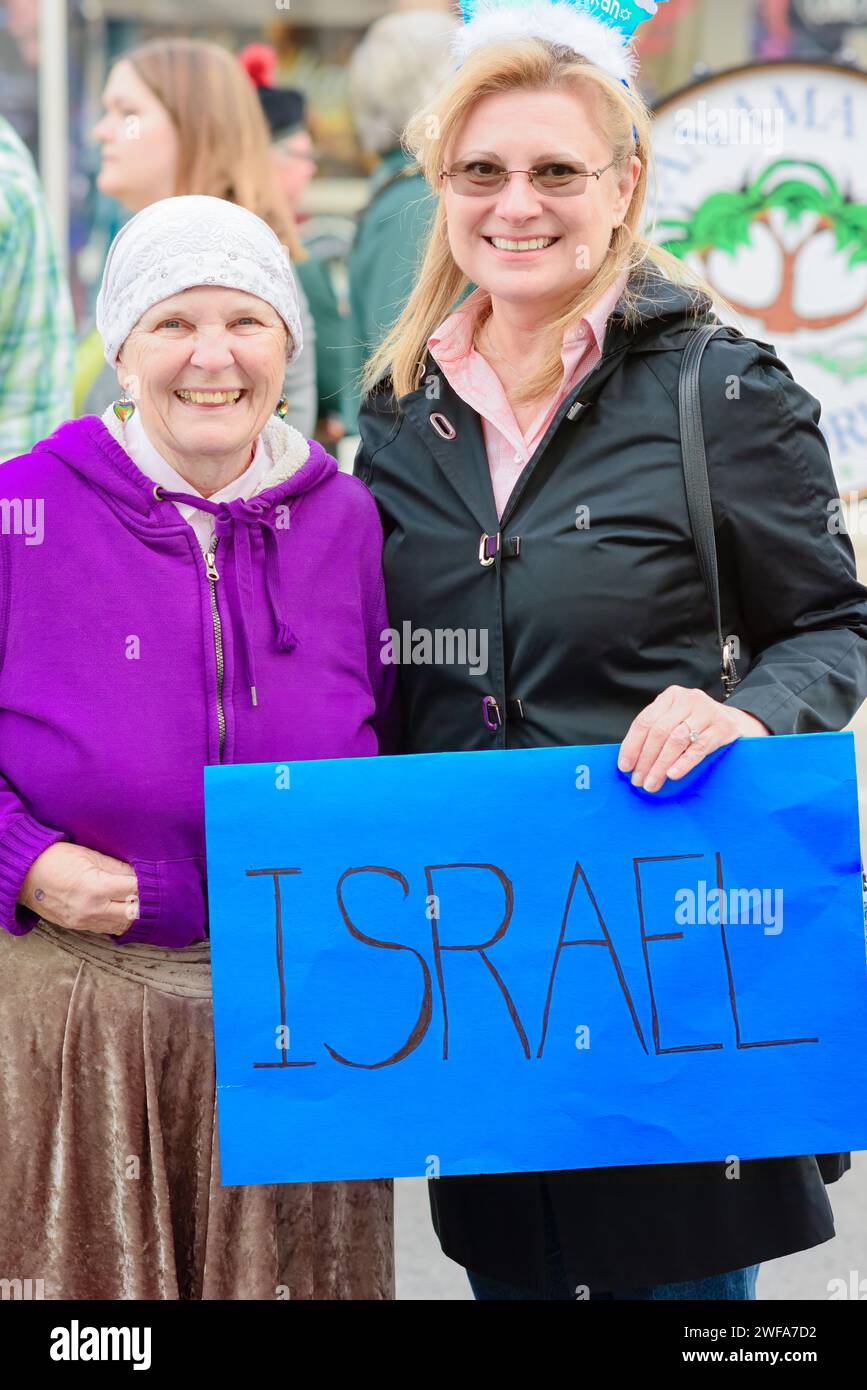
(534, 65)
(224, 142)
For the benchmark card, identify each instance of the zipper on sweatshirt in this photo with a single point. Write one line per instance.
(213, 576)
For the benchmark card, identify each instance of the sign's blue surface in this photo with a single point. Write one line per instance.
(516, 961)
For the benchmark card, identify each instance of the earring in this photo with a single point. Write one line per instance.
(123, 408)
(281, 408)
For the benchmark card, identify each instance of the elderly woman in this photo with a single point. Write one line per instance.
(192, 582)
(525, 452)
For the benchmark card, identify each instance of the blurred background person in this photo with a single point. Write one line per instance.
(181, 117)
(36, 322)
(285, 108)
(295, 164)
(398, 66)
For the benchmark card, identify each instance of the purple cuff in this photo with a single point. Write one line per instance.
(172, 905)
(21, 844)
(148, 900)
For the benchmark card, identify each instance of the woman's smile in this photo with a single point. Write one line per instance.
(223, 399)
(510, 248)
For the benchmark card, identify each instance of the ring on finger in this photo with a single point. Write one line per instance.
(693, 736)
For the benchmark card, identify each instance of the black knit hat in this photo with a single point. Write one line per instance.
(284, 110)
(284, 107)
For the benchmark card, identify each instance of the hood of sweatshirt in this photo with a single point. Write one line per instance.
(94, 449)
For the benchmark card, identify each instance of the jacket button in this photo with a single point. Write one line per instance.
(491, 716)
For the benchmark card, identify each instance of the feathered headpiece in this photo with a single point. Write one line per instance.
(600, 30)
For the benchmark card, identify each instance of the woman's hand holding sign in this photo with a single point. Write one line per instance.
(674, 733)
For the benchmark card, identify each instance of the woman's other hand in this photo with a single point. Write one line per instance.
(659, 742)
(82, 890)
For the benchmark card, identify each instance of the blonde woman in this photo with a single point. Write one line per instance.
(524, 451)
(181, 117)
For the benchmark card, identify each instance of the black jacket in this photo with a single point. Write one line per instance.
(587, 623)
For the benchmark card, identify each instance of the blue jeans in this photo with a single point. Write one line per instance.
(740, 1284)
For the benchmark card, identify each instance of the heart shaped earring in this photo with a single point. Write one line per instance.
(123, 408)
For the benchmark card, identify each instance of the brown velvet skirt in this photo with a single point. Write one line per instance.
(109, 1168)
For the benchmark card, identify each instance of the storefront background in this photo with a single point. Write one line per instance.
(314, 40)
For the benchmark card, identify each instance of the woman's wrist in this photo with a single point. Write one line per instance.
(749, 725)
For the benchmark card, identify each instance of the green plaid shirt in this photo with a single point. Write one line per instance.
(36, 320)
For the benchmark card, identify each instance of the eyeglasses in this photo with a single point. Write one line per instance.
(478, 179)
(289, 152)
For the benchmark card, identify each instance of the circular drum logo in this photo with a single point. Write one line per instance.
(762, 187)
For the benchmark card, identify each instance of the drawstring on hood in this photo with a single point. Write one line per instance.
(299, 465)
(234, 520)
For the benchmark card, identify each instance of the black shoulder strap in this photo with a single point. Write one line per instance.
(698, 487)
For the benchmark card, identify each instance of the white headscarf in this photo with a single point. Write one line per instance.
(180, 243)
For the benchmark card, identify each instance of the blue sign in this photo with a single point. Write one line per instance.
(516, 961)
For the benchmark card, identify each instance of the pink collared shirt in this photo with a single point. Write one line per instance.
(475, 381)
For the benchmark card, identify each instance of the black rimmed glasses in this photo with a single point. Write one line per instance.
(477, 178)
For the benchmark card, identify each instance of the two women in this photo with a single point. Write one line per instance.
(167, 616)
(203, 587)
(524, 450)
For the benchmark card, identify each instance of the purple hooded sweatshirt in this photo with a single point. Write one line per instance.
(124, 668)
